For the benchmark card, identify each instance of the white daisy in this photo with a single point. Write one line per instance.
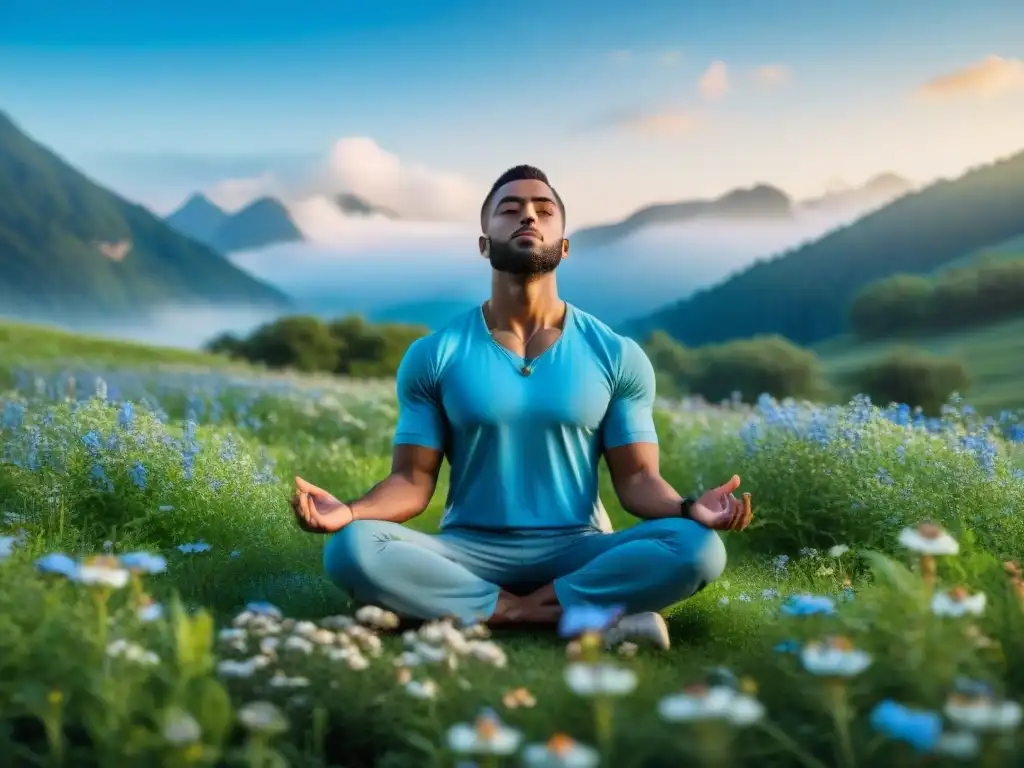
(600, 679)
(718, 702)
(834, 657)
(928, 539)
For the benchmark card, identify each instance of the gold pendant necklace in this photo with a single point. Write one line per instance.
(524, 369)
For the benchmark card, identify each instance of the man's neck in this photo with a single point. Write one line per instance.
(524, 305)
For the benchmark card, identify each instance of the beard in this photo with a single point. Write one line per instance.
(533, 262)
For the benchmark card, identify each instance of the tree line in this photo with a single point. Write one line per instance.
(350, 346)
(904, 305)
(773, 364)
(346, 346)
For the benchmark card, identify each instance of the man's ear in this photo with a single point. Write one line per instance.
(485, 245)
(565, 247)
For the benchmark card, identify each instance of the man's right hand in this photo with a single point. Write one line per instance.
(317, 511)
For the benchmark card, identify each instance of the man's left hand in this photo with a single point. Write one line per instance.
(720, 510)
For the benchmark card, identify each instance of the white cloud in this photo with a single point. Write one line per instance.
(323, 223)
(773, 75)
(992, 76)
(714, 82)
(360, 166)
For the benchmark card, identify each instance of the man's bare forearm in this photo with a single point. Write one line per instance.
(647, 495)
(397, 498)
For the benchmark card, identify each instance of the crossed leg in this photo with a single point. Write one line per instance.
(646, 567)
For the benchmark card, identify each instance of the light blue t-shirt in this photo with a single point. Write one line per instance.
(524, 450)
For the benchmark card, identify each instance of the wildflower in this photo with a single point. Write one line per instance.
(560, 751)
(57, 563)
(426, 689)
(600, 679)
(144, 562)
(808, 605)
(262, 717)
(264, 609)
(125, 649)
(487, 735)
(103, 570)
(281, 680)
(704, 702)
(834, 657)
(180, 728)
(582, 619)
(958, 602)
(974, 707)
(920, 729)
(627, 649)
(242, 669)
(375, 616)
(928, 539)
(838, 550)
(518, 697)
(149, 610)
(962, 745)
(7, 547)
(199, 546)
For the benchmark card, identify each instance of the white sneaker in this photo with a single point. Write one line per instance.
(648, 627)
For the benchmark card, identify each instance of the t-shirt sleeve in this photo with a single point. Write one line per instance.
(420, 415)
(630, 417)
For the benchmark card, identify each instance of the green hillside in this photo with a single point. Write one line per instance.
(994, 356)
(804, 294)
(68, 246)
(20, 342)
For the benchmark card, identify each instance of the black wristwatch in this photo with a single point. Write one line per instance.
(685, 505)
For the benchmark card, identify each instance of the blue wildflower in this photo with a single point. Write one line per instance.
(808, 605)
(57, 563)
(919, 728)
(788, 646)
(576, 620)
(125, 416)
(137, 474)
(144, 562)
(199, 546)
(262, 608)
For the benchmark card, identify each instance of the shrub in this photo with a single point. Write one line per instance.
(909, 376)
(752, 367)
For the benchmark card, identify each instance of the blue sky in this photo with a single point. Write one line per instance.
(158, 99)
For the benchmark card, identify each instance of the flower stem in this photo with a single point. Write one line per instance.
(840, 709)
(603, 727)
(713, 740)
(100, 596)
(54, 725)
(790, 744)
(928, 572)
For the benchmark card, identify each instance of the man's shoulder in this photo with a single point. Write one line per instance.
(434, 347)
(601, 334)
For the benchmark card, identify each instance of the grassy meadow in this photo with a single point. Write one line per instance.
(158, 606)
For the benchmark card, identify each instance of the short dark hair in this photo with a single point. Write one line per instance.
(518, 173)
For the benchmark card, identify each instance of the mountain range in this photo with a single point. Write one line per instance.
(762, 202)
(803, 294)
(69, 246)
(265, 221)
(261, 223)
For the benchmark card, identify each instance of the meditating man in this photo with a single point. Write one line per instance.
(524, 394)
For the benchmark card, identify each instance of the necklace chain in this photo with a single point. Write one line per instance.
(527, 367)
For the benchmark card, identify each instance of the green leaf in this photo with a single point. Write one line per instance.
(210, 704)
(895, 574)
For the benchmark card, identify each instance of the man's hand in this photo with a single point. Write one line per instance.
(719, 510)
(317, 511)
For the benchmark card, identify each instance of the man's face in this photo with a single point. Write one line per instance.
(524, 229)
